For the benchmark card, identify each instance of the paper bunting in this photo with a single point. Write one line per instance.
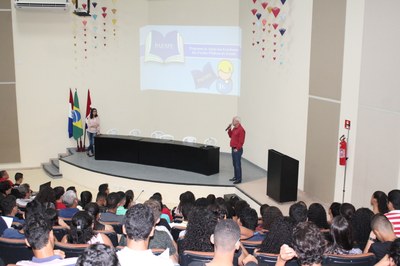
(94, 4)
(282, 31)
(258, 15)
(275, 11)
(283, 2)
(264, 21)
(104, 15)
(264, 4)
(95, 28)
(269, 9)
(84, 6)
(84, 22)
(94, 16)
(104, 9)
(275, 25)
(114, 21)
(113, 10)
(254, 1)
(258, 23)
(254, 11)
(114, 1)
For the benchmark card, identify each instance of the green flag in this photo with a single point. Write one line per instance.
(77, 119)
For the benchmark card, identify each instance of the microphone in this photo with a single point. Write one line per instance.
(139, 195)
(228, 127)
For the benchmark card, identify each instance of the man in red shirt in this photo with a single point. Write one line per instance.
(237, 134)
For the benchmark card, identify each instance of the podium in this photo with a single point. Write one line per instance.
(283, 174)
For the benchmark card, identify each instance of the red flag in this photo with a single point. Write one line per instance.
(88, 105)
(70, 119)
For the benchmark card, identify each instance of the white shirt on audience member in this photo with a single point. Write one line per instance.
(128, 257)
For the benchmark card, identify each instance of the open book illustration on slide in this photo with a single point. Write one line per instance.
(164, 49)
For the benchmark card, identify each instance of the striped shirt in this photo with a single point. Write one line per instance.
(394, 218)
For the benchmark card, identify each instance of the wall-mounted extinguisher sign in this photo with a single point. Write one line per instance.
(342, 150)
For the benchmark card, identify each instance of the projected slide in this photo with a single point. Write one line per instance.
(190, 59)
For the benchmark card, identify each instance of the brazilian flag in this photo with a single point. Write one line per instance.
(77, 119)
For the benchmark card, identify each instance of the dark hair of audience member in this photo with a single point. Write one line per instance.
(86, 197)
(129, 195)
(98, 255)
(18, 176)
(298, 212)
(219, 211)
(317, 214)
(101, 195)
(185, 197)
(93, 209)
(7, 204)
(200, 227)
(201, 202)
(112, 200)
(347, 210)
(382, 200)
(139, 221)
(59, 191)
(47, 196)
(73, 188)
(51, 215)
(239, 206)
(16, 193)
(394, 251)
(342, 236)
(335, 209)
(34, 207)
(394, 198)
(308, 243)
(249, 218)
(81, 230)
(280, 233)
(263, 208)
(269, 215)
(103, 188)
(158, 197)
(211, 199)
(186, 209)
(5, 187)
(36, 230)
(155, 208)
(361, 223)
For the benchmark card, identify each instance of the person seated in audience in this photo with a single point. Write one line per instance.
(263, 207)
(4, 177)
(341, 233)
(73, 188)
(112, 205)
(201, 202)
(279, 234)
(129, 196)
(185, 210)
(86, 197)
(379, 202)
(59, 192)
(161, 239)
(81, 231)
(93, 209)
(19, 178)
(165, 212)
(393, 258)
(382, 230)
(139, 227)
(347, 210)
(52, 215)
(317, 214)
(71, 202)
(361, 224)
(334, 210)
(394, 210)
(239, 206)
(226, 240)
(186, 197)
(247, 221)
(25, 193)
(40, 237)
(101, 200)
(5, 189)
(121, 204)
(308, 246)
(219, 210)
(200, 227)
(10, 209)
(103, 188)
(98, 255)
(47, 196)
(231, 206)
(268, 216)
(298, 212)
(211, 199)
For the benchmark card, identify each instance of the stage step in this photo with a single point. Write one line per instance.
(52, 170)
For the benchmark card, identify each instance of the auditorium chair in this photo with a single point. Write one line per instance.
(111, 235)
(359, 260)
(269, 259)
(71, 250)
(13, 250)
(250, 245)
(59, 232)
(116, 226)
(189, 256)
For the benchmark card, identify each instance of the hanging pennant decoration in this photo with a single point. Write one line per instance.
(104, 15)
(254, 11)
(264, 4)
(114, 11)
(94, 4)
(282, 31)
(283, 2)
(94, 16)
(258, 15)
(104, 9)
(275, 11)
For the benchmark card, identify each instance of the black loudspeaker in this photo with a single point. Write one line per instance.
(282, 179)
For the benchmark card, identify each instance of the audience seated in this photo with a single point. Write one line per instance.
(71, 202)
(247, 222)
(98, 255)
(186, 197)
(10, 209)
(394, 210)
(361, 224)
(165, 212)
(268, 216)
(129, 199)
(103, 188)
(19, 178)
(341, 233)
(382, 230)
(59, 192)
(93, 209)
(334, 210)
(47, 196)
(317, 214)
(4, 177)
(239, 206)
(5, 189)
(39, 236)
(298, 212)
(308, 246)
(393, 258)
(112, 205)
(139, 227)
(379, 202)
(25, 193)
(101, 200)
(279, 234)
(81, 231)
(121, 204)
(347, 210)
(86, 197)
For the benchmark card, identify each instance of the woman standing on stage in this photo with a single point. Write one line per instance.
(93, 129)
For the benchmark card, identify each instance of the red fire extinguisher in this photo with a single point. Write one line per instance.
(342, 150)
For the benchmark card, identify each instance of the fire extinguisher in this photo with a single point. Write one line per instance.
(342, 150)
